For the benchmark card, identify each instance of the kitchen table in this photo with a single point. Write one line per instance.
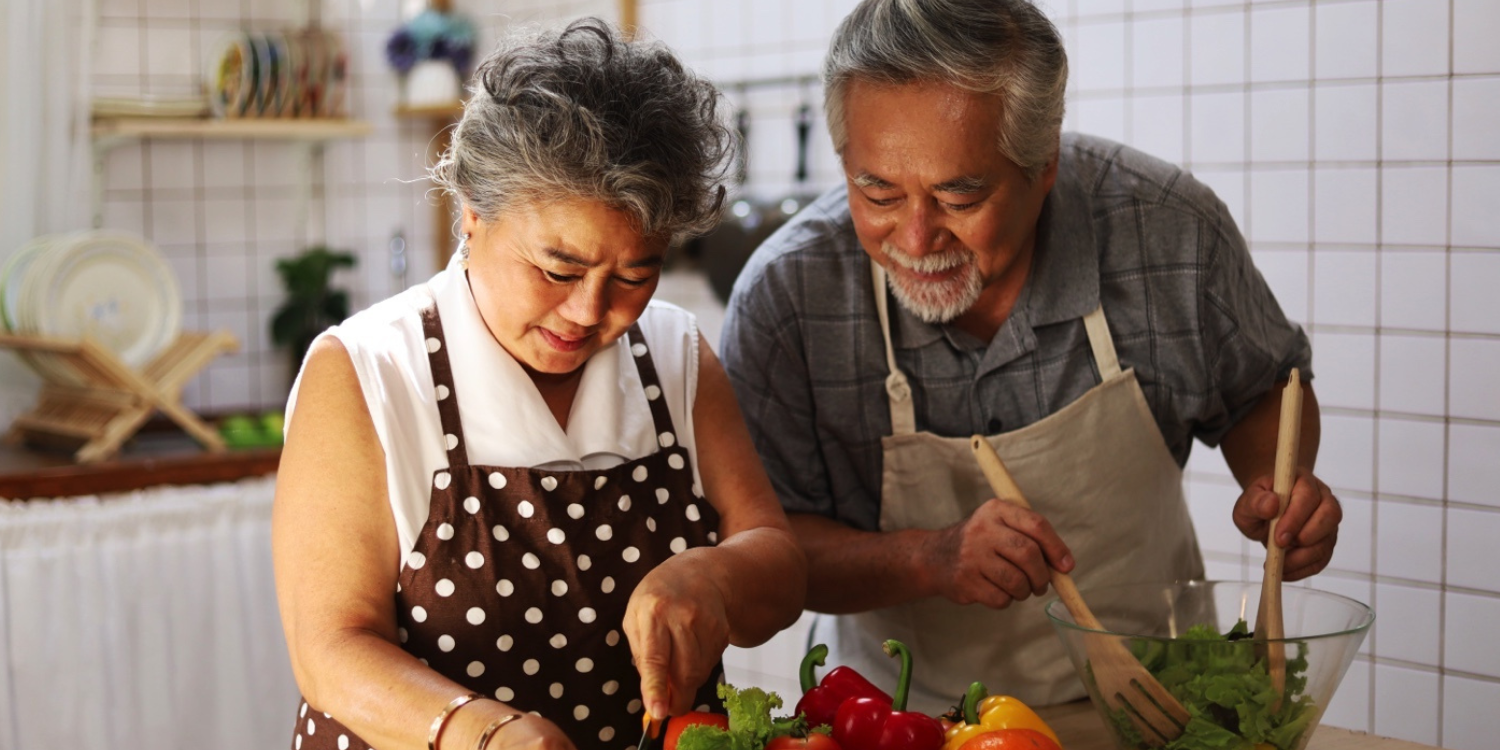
(1080, 728)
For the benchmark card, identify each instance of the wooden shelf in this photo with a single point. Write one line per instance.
(451, 111)
(269, 128)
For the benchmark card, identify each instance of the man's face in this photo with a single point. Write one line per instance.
(934, 202)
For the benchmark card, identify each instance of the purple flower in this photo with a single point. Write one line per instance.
(401, 51)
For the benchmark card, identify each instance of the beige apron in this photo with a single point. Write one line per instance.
(1098, 470)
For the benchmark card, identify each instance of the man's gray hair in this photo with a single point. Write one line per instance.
(583, 113)
(1003, 47)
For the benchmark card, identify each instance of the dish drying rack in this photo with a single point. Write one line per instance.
(106, 401)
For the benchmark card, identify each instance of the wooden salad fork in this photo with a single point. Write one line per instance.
(1123, 682)
(1269, 626)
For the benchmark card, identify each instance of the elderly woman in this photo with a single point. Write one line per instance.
(518, 505)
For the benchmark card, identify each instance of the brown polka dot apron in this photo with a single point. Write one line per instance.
(517, 584)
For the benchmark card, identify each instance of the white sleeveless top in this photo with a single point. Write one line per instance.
(505, 420)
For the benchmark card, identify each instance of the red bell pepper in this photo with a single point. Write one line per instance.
(872, 724)
(821, 703)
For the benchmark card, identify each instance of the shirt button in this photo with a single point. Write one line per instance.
(994, 426)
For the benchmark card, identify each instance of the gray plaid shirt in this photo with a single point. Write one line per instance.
(1187, 309)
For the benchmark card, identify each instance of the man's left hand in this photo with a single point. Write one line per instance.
(1307, 531)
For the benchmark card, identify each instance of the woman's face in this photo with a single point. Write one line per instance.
(558, 281)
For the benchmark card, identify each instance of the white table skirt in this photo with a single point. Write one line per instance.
(143, 620)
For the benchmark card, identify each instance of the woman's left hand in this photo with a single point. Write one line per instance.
(678, 626)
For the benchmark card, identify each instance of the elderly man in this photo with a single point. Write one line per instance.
(1090, 308)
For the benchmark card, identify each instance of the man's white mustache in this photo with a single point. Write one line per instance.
(932, 263)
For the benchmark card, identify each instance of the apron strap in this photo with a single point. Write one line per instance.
(661, 416)
(442, 380)
(1099, 340)
(897, 390)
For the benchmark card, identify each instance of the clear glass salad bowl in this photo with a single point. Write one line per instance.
(1223, 682)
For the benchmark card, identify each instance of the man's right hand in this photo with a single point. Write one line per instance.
(998, 555)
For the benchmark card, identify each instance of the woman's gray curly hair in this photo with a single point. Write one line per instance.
(1003, 47)
(583, 113)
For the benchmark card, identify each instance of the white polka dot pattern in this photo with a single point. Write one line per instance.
(445, 531)
(662, 496)
(444, 587)
(675, 461)
(441, 480)
(652, 393)
(666, 439)
(549, 483)
(638, 350)
(433, 345)
(451, 440)
(471, 504)
(442, 393)
(639, 474)
(497, 480)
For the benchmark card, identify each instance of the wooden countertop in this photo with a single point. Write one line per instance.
(1080, 728)
(150, 458)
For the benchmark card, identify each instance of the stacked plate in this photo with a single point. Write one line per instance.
(108, 286)
(278, 74)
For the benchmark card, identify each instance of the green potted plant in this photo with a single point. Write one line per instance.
(310, 306)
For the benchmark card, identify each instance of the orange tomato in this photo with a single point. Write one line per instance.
(676, 724)
(813, 741)
(1011, 739)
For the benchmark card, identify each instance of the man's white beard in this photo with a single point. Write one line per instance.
(935, 302)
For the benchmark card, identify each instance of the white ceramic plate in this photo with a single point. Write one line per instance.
(109, 286)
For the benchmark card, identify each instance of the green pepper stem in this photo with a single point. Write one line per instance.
(903, 680)
(814, 658)
(972, 698)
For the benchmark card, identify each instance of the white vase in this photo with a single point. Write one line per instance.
(432, 83)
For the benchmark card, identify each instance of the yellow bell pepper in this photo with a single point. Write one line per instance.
(992, 713)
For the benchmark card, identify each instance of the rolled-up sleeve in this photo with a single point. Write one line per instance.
(762, 350)
(1248, 341)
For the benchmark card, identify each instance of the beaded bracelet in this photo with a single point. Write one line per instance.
(489, 731)
(442, 718)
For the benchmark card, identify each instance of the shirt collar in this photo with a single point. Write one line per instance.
(1064, 282)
